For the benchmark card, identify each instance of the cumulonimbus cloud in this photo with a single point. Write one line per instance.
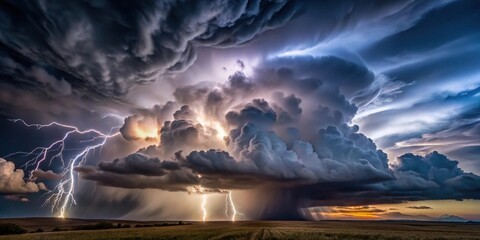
(289, 128)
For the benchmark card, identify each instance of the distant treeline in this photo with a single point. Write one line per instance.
(10, 228)
(162, 224)
(100, 225)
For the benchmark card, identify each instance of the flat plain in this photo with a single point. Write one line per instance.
(243, 230)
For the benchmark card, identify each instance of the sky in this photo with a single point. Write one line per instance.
(240, 110)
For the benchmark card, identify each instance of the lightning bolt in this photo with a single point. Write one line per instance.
(230, 205)
(204, 209)
(62, 196)
(203, 206)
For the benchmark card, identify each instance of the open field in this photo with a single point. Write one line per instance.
(251, 230)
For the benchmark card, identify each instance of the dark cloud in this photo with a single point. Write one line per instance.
(139, 164)
(421, 217)
(433, 166)
(140, 171)
(325, 22)
(179, 133)
(419, 207)
(435, 175)
(107, 47)
(257, 111)
(344, 74)
(60, 86)
(312, 180)
(445, 180)
(192, 93)
(46, 175)
(185, 113)
(170, 182)
(288, 107)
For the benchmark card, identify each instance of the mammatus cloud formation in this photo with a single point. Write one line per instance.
(106, 47)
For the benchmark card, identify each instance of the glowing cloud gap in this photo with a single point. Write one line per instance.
(63, 194)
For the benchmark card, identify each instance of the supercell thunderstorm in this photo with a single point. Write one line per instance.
(280, 125)
(250, 132)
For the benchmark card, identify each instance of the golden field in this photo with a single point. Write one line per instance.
(248, 230)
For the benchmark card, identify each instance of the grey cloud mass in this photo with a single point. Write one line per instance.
(107, 47)
(263, 149)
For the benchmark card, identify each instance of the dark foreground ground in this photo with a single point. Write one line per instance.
(243, 230)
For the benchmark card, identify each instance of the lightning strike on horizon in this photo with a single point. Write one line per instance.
(200, 189)
(230, 205)
(63, 193)
(204, 209)
(227, 204)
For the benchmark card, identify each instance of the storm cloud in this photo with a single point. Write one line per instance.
(269, 144)
(107, 48)
(295, 104)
